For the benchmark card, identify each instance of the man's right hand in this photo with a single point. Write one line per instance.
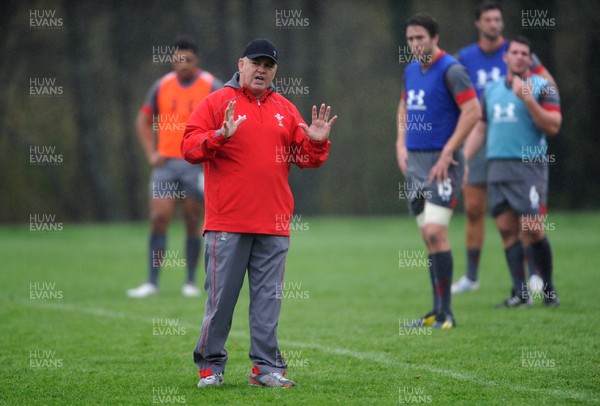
(402, 156)
(229, 124)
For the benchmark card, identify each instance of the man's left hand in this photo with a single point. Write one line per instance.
(321, 125)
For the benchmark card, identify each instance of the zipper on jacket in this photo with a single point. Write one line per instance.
(259, 109)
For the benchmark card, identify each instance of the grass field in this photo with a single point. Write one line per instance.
(86, 343)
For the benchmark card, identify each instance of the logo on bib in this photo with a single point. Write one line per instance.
(484, 77)
(416, 100)
(504, 114)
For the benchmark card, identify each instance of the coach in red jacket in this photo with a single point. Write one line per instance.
(247, 135)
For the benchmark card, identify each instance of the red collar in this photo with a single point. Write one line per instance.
(252, 98)
(430, 64)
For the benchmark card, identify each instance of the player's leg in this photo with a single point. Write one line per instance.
(265, 277)
(435, 235)
(428, 319)
(438, 213)
(161, 205)
(193, 213)
(532, 233)
(542, 255)
(416, 207)
(475, 200)
(433, 208)
(475, 208)
(507, 222)
(535, 281)
(161, 212)
(504, 206)
(226, 260)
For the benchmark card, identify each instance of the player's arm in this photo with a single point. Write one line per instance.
(539, 69)
(401, 151)
(476, 138)
(460, 86)
(545, 114)
(144, 127)
(543, 72)
(145, 134)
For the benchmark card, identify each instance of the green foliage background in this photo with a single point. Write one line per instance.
(347, 56)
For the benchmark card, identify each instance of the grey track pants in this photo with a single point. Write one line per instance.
(227, 257)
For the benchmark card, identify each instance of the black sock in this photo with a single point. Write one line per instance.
(193, 249)
(542, 255)
(533, 268)
(442, 264)
(473, 255)
(515, 256)
(436, 302)
(158, 244)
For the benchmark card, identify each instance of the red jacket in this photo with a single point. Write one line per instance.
(246, 176)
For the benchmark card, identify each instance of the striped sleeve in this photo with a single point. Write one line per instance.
(536, 66)
(459, 84)
(150, 106)
(549, 98)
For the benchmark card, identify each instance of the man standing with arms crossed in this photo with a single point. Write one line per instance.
(485, 64)
(518, 111)
(168, 106)
(246, 135)
(438, 92)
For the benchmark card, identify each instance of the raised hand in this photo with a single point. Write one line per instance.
(321, 125)
(229, 124)
(521, 87)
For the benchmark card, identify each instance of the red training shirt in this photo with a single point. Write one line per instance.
(246, 176)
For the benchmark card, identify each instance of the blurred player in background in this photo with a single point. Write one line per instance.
(167, 109)
(485, 64)
(437, 92)
(518, 111)
(247, 136)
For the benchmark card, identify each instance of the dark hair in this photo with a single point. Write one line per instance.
(486, 5)
(426, 21)
(521, 40)
(185, 42)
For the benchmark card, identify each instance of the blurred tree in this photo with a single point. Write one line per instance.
(347, 56)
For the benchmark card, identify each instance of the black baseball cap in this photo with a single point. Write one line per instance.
(261, 47)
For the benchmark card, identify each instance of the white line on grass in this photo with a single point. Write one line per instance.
(363, 356)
